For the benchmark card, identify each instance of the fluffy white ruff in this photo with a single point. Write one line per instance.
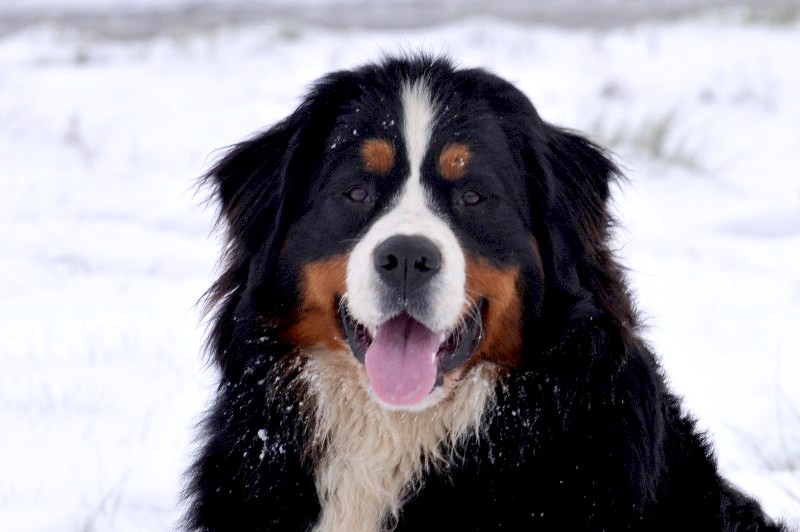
(372, 458)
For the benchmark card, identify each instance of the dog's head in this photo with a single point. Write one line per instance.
(418, 219)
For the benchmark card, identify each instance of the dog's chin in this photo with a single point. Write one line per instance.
(408, 365)
(438, 394)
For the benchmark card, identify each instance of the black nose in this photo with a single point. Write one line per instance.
(407, 263)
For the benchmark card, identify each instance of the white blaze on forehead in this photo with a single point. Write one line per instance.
(418, 116)
(411, 214)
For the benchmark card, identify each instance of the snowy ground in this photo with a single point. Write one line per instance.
(104, 248)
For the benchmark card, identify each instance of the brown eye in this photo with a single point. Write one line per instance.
(358, 195)
(470, 198)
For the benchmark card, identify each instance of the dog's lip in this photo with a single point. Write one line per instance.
(456, 344)
(358, 335)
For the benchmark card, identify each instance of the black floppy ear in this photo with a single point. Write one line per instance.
(577, 175)
(249, 183)
(583, 173)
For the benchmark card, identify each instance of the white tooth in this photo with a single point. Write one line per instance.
(441, 338)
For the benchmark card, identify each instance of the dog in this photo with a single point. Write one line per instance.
(420, 325)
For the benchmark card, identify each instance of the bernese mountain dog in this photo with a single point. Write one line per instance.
(420, 326)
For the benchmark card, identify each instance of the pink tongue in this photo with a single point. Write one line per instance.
(401, 362)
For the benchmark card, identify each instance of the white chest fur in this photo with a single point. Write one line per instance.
(372, 458)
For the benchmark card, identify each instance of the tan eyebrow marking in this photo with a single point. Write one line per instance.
(454, 161)
(377, 155)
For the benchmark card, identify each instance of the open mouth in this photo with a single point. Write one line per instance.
(404, 359)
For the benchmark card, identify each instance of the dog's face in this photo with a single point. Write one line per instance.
(406, 212)
(418, 206)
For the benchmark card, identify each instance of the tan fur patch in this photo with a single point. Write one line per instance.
(377, 156)
(372, 457)
(316, 321)
(502, 320)
(454, 161)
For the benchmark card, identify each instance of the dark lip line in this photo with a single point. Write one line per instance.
(358, 338)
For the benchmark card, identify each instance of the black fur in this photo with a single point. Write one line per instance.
(583, 435)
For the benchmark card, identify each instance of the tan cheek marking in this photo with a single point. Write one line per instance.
(502, 320)
(377, 156)
(454, 161)
(315, 322)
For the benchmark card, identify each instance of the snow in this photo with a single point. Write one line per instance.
(105, 247)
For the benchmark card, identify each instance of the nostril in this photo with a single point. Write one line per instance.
(428, 263)
(390, 262)
(422, 264)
